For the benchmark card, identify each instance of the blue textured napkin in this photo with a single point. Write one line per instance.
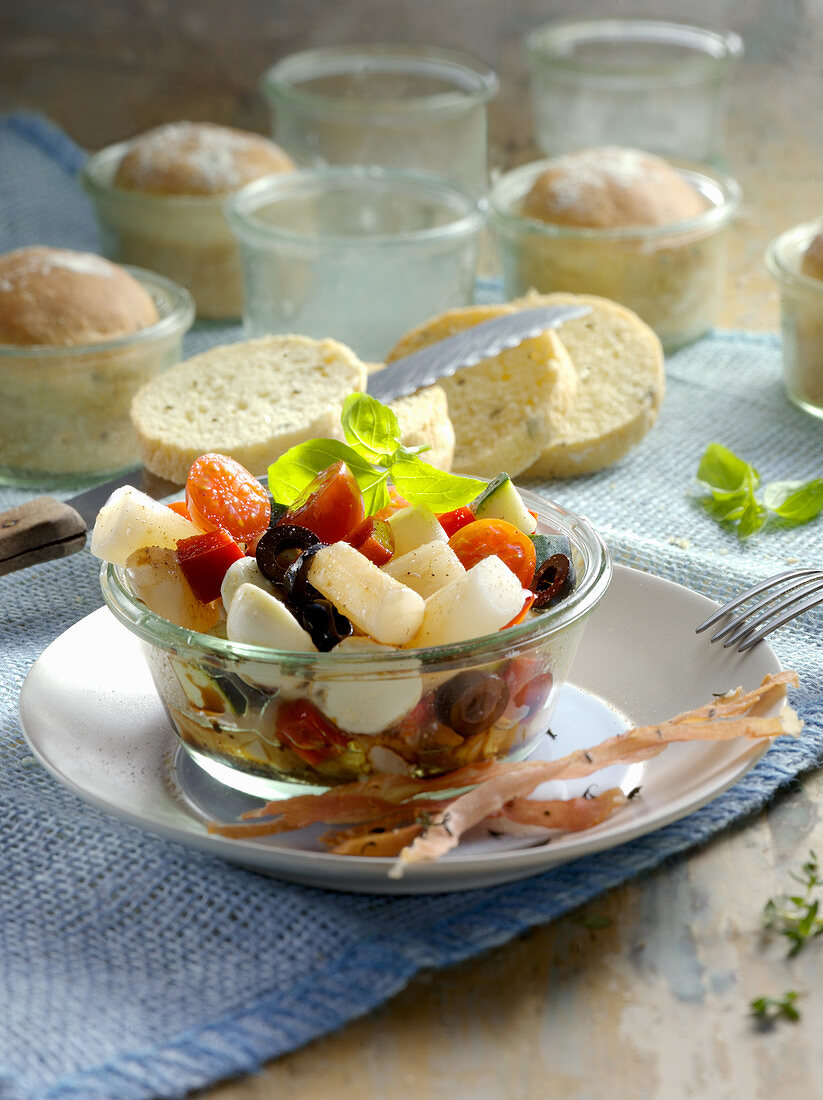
(131, 967)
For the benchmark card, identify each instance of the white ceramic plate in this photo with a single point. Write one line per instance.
(91, 716)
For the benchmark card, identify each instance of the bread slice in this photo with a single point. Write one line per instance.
(424, 422)
(507, 409)
(251, 400)
(621, 383)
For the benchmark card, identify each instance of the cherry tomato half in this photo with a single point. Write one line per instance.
(485, 537)
(396, 502)
(222, 495)
(180, 508)
(331, 506)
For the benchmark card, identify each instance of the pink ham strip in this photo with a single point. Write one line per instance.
(390, 843)
(348, 803)
(718, 721)
(395, 817)
(530, 817)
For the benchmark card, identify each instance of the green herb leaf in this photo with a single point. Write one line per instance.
(733, 484)
(795, 501)
(769, 1009)
(724, 473)
(752, 517)
(797, 916)
(298, 467)
(370, 427)
(595, 921)
(421, 483)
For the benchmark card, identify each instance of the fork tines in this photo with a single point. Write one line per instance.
(784, 597)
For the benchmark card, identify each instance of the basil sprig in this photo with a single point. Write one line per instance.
(374, 454)
(732, 485)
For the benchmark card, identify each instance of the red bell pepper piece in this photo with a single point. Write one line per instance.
(521, 614)
(374, 539)
(453, 521)
(204, 560)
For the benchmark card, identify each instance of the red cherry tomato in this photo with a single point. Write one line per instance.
(374, 539)
(529, 682)
(204, 560)
(180, 508)
(222, 495)
(331, 506)
(396, 502)
(453, 521)
(309, 734)
(485, 537)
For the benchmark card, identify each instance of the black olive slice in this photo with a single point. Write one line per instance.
(552, 582)
(323, 622)
(296, 584)
(279, 547)
(471, 701)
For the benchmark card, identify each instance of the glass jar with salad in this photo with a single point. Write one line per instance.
(365, 614)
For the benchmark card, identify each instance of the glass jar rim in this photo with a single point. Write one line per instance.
(726, 190)
(179, 318)
(777, 263)
(595, 579)
(476, 82)
(240, 208)
(553, 44)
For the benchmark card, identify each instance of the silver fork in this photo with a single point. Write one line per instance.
(784, 597)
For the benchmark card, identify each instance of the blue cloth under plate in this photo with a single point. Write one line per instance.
(131, 967)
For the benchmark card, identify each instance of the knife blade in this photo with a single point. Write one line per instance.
(443, 358)
(46, 528)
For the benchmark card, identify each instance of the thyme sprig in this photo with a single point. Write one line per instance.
(769, 1009)
(797, 916)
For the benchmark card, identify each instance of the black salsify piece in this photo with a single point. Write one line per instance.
(552, 581)
(279, 547)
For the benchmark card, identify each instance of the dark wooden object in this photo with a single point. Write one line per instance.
(39, 530)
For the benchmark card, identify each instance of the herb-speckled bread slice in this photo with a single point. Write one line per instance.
(505, 410)
(251, 400)
(621, 383)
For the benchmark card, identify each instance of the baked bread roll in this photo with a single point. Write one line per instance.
(621, 384)
(505, 410)
(608, 187)
(812, 264)
(198, 158)
(251, 400)
(60, 298)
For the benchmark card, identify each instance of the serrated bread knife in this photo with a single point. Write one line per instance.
(48, 528)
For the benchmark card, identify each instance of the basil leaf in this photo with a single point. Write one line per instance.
(375, 489)
(370, 427)
(721, 471)
(421, 483)
(752, 518)
(732, 483)
(298, 467)
(795, 501)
